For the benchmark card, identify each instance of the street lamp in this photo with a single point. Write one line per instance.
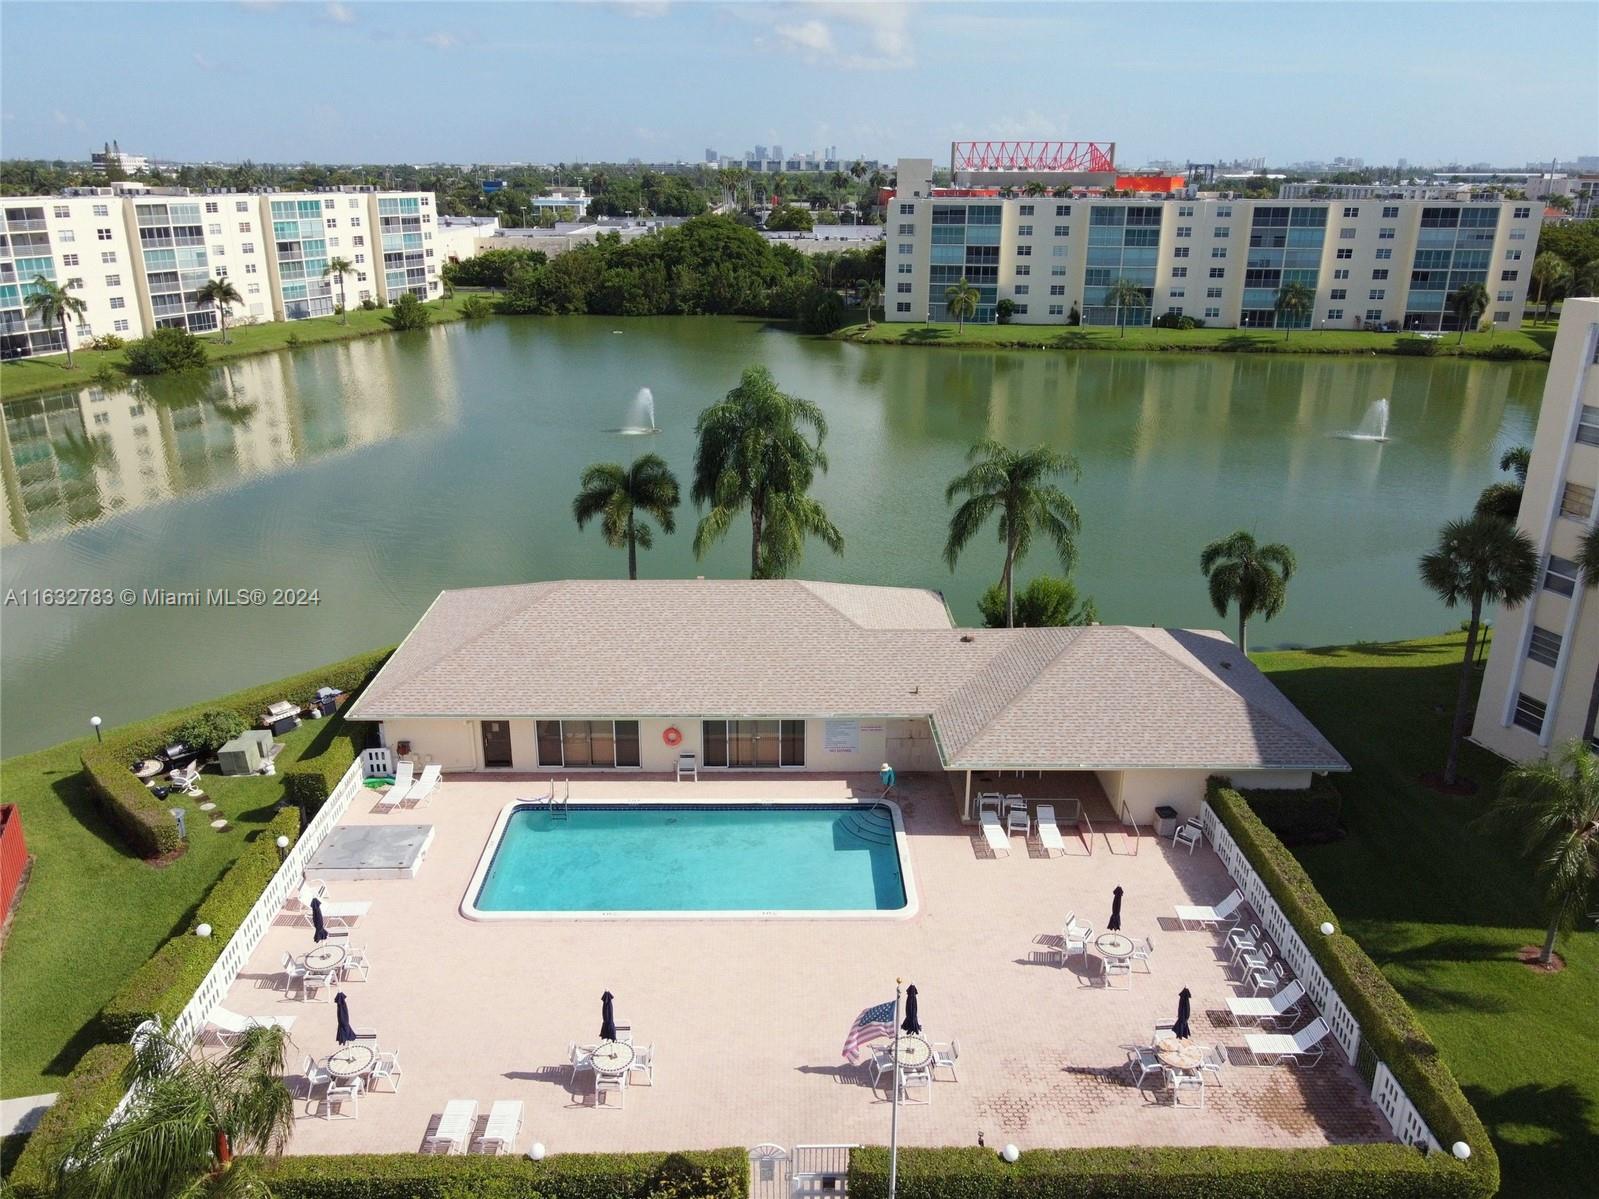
(94, 722)
(283, 848)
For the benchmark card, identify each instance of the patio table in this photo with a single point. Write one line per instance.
(914, 1053)
(352, 1061)
(1180, 1054)
(325, 957)
(149, 769)
(1113, 945)
(612, 1057)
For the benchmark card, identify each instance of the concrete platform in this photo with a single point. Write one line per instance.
(365, 851)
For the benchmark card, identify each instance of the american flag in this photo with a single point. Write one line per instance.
(874, 1022)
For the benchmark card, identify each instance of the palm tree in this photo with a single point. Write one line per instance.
(188, 1116)
(1552, 807)
(52, 305)
(221, 295)
(1034, 187)
(1294, 300)
(1481, 559)
(753, 454)
(1550, 272)
(340, 267)
(1122, 295)
(1503, 499)
(871, 296)
(961, 300)
(1255, 577)
(1585, 279)
(1468, 302)
(619, 494)
(1015, 486)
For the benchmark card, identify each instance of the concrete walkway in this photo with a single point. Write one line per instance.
(23, 1115)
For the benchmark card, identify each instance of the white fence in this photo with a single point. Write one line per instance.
(1389, 1096)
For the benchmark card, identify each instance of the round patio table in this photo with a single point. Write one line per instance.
(324, 957)
(352, 1061)
(1113, 945)
(149, 769)
(1180, 1054)
(612, 1057)
(914, 1053)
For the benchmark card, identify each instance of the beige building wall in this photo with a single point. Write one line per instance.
(77, 242)
(1541, 685)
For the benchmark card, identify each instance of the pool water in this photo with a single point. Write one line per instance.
(685, 858)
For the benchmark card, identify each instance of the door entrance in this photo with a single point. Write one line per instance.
(496, 743)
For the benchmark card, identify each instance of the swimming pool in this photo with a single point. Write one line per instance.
(663, 860)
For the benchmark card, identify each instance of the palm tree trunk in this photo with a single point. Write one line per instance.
(1548, 950)
(757, 511)
(1243, 630)
(224, 1150)
(344, 308)
(632, 549)
(1010, 583)
(1457, 728)
(66, 340)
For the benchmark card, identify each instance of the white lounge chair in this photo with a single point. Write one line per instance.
(424, 786)
(230, 1026)
(1303, 1048)
(994, 834)
(688, 763)
(402, 783)
(1016, 818)
(1269, 1009)
(1221, 913)
(1048, 831)
(454, 1128)
(187, 778)
(505, 1123)
(339, 915)
(1190, 834)
(989, 801)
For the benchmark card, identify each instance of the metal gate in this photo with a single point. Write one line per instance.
(810, 1170)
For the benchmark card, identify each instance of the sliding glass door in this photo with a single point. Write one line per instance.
(575, 744)
(753, 744)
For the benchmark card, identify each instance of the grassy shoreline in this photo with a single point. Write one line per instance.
(24, 377)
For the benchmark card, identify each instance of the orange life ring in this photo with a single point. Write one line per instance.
(672, 736)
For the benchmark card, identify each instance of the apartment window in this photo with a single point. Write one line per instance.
(1057, 289)
(1374, 314)
(222, 272)
(252, 289)
(333, 222)
(1377, 293)
(1341, 273)
(903, 289)
(1385, 253)
(120, 326)
(908, 229)
(1338, 293)
(1560, 575)
(1218, 272)
(1057, 310)
(1380, 274)
(1346, 253)
(1512, 255)
(1218, 251)
(1024, 270)
(1063, 210)
(218, 251)
(1529, 713)
(1504, 297)
(1385, 233)
(1508, 276)
(1021, 310)
(1518, 235)
(1213, 293)
(1185, 210)
(1220, 231)
(1179, 252)
(354, 203)
(1027, 210)
(1544, 646)
(1176, 293)
(102, 210)
(362, 258)
(1390, 212)
(1058, 272)
(905, 268)
(1174, 310)
(1058, 252)
(241, 206)
(1020, 289)
(907, 210)
(118, 302)
(1588, 425)
(360, 240)
(62, 212)
(902, 306)
(1185, 230)
(66, 235)
(1224, 213)
(1335, 314)
(75, 284)
(1024, 230)
(333, 244)
(1576, 501)
(1179, 272)
(1501, 315)
(1346, 235)
(1521, 214)
(103, 234)
(905, 247)
(69, 260)
(329, 202)
(1212, 314)
(1351, 214)
(113, 280)
(1024, 251)
(248, 247)
(746, 743)
(210, 206)
(108, 257)
(249, 268)
(1063, 231)
(605, 743)
(355, 222)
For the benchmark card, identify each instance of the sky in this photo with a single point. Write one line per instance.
(661, 80)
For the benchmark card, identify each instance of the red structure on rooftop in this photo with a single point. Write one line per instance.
(1094, 157)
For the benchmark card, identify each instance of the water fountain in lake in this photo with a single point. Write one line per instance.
(640, 416)
(1373, 426)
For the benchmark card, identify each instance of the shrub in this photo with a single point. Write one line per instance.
(164, 350)
(790, 218)
(108, 341)
(292, 341)
(369, 305)
(1416, 347)
(475, 308)
(1173, 320)
(1509, 353)
(86, 1097)
(1046, 602)
(821, 311)
(1299, 817)
(1074, 317)
(311, 780)
(409, 313)
(210, 731)
(144, 821)
(1004, 310)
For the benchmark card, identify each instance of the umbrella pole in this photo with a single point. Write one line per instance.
(893, 1126)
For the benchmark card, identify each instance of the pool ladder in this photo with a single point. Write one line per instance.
(556, 807)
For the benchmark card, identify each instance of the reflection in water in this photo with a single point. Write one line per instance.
(382, 470)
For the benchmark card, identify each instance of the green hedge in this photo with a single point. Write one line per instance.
(1310, 814)
(1389, 1029)
(87, 1096)
(711, 1174)
(312, 778)
(144, 821)
(1334, 1172)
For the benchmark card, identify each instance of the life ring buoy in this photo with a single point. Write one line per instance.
(672, 736)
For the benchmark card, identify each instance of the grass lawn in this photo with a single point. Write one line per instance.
(1443, 908)
(1534, 339)
(93, 911)
(28, 376)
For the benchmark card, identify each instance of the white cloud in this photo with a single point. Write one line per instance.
(441, 40)
(857, 36)
(341, 14)
(808, 35)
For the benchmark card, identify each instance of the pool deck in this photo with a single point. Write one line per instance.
(747, 1016)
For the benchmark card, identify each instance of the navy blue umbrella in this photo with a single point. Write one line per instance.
(321, 933)
(1181, 1027)
(607, 1018)
(912, 1022)
(1115, 921)
(345, 1033)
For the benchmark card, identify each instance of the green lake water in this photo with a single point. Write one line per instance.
(380, 471)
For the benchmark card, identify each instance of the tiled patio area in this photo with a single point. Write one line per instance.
(747, 1017)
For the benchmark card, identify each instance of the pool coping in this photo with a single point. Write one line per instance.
(470, 910)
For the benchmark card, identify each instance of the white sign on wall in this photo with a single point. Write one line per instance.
(842, 736)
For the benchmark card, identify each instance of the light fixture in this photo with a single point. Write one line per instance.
(283, 847)
(1326, 928)
(1461, 1150)
(94, 723)
(1010, 1153)
(202, 930)
(536, 1151)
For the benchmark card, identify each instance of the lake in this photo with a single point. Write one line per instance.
(377, 472)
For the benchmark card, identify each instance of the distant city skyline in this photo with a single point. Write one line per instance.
(658, 81)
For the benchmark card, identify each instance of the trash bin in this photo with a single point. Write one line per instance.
(1165, 821)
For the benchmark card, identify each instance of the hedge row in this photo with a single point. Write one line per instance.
(711, 1174)
(87, 1097)
(1388, 1028)
(144, 820)
(312, 779)
(1297, 817)
(1333, 1172)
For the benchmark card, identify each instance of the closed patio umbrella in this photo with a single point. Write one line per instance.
(1115, 922)
(912, 1022)
(1181, 1027)
(607, 1018)
(345, 1033)
(321, 933)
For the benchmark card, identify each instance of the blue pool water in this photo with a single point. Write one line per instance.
(665, 858)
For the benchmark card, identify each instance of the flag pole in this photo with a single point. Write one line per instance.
(893, 1126)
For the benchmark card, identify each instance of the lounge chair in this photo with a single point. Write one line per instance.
(424, 786)
(1048, 831)
(1303, 1048)
(1221, 913)
(230, 1026)
(402, 784)
(1016, 818)
(1190, 834)
(505, 1123)
(336, 915)
(454, 1129)
(989, 800)
(1269, 1009)
(994, 834)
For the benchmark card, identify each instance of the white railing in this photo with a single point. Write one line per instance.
(1390, 1097)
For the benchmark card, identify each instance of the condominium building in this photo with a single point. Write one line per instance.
(1377, 263)
(136, 255)
(1541, 686)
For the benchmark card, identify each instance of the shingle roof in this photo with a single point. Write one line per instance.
(1095, 697)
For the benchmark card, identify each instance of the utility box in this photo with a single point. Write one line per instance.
(1165, 821)
(242, 755)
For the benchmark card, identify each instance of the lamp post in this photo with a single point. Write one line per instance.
(893, 1124)
(283, 848)
(94, 722)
